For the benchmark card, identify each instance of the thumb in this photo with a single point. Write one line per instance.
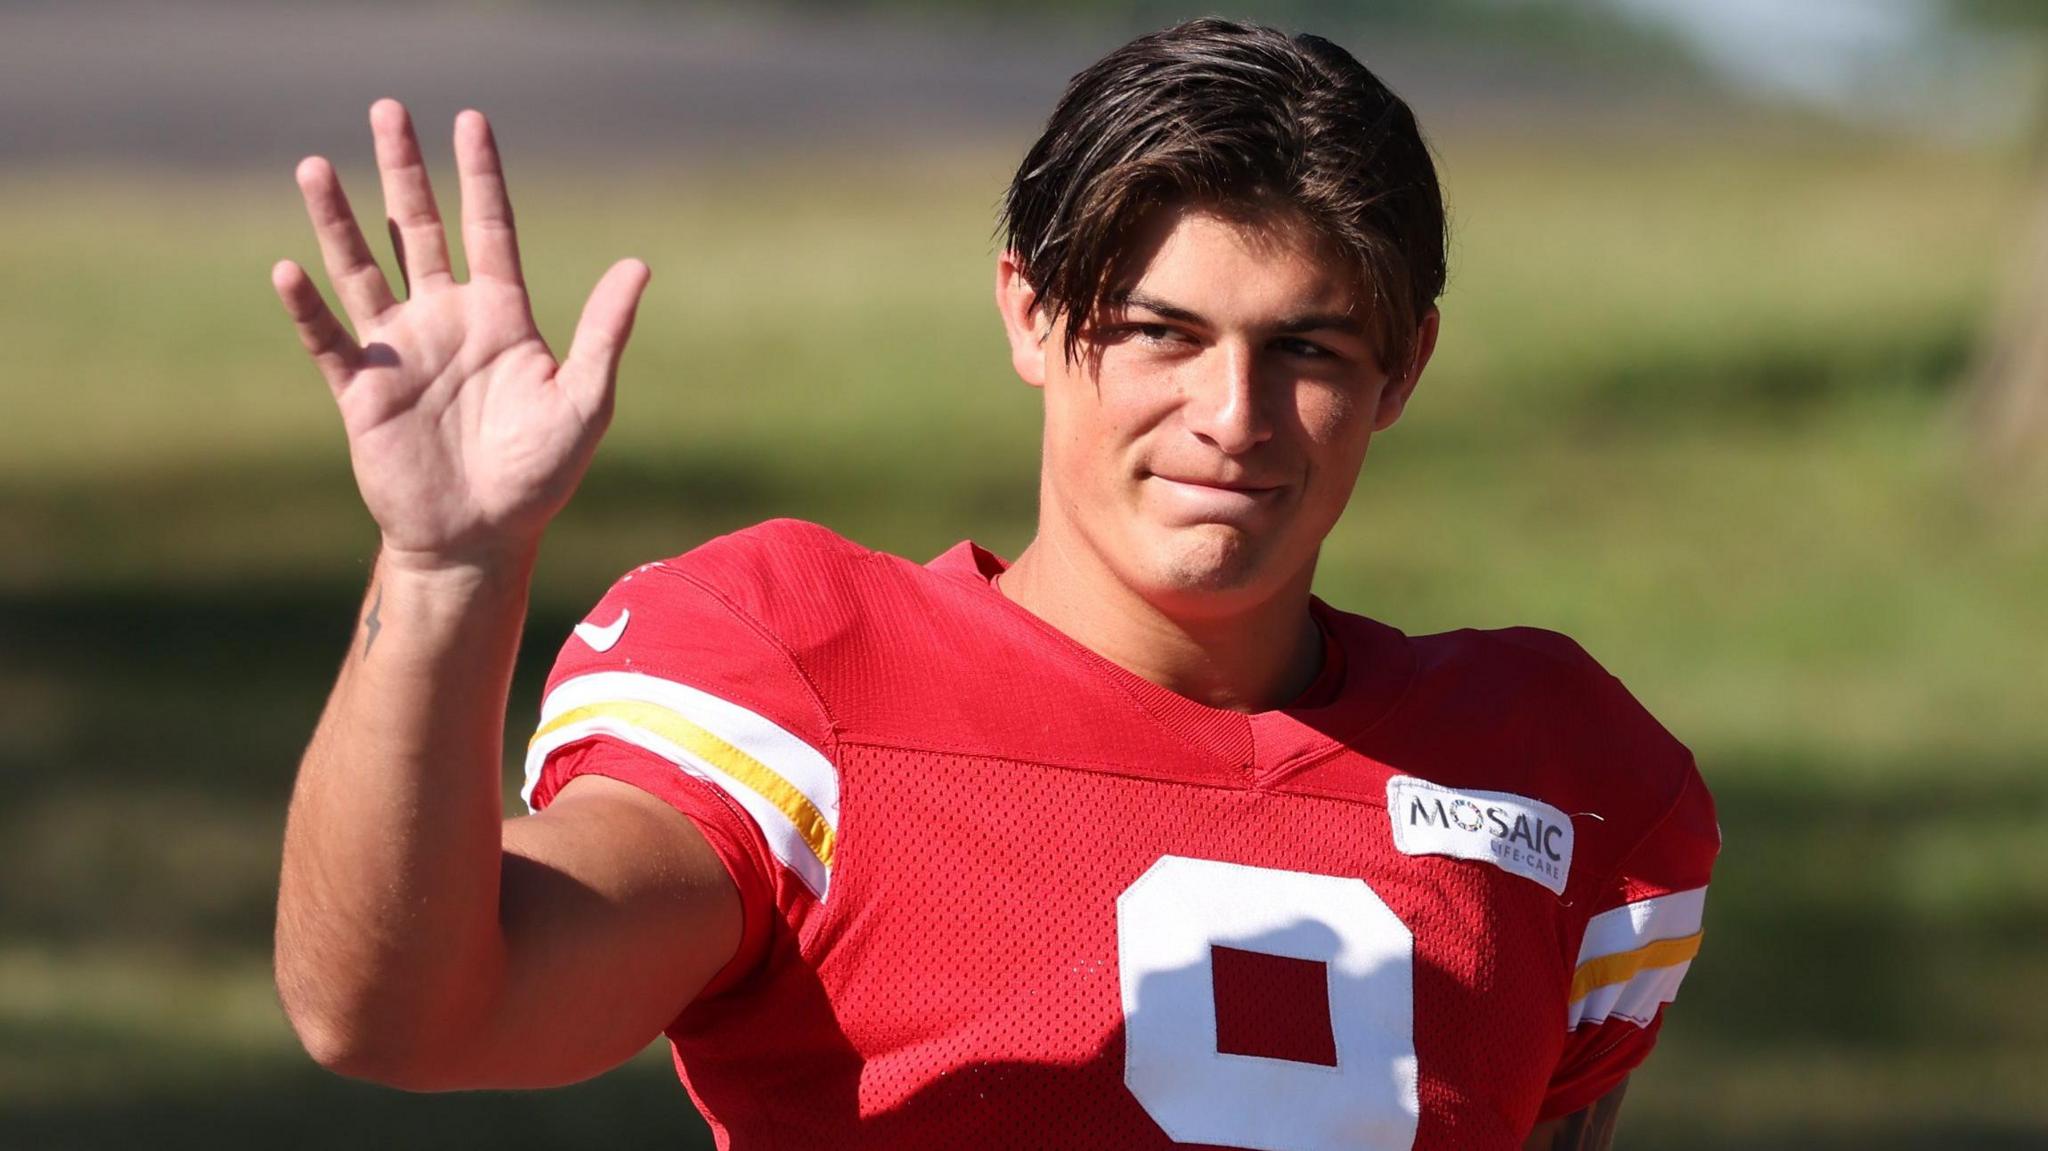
(592, 366)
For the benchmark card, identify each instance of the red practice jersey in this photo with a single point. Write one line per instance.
(1000, 892)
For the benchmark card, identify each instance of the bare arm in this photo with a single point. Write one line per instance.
(1589, 1129)
(422, 940)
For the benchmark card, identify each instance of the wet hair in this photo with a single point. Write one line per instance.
(1246, 120)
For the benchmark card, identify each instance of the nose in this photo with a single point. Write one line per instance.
(1222, 405)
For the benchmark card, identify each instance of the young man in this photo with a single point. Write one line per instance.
(1128, 843)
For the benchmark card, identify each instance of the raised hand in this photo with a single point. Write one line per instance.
(465, 433)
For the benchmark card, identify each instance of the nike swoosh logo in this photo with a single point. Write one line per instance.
(604, 638)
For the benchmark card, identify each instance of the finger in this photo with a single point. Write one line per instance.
(488, 238)
(357, 278)
(593, 363)
(416, 229)
(334, 352)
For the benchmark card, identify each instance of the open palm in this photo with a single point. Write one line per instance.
(465, 433)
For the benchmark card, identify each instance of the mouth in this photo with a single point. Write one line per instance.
(1205, 498)
(1201, 483)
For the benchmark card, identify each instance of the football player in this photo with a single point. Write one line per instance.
(1127, 842)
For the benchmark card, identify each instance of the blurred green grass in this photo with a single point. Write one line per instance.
(1695, 406)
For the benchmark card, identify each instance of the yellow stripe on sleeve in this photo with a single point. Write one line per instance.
(759, 777)
(1608, 970)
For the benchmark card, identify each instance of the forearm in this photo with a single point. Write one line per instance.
(388, 936)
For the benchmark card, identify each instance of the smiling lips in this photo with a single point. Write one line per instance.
(1220, 485)
(1240, 486)
(1203, 499)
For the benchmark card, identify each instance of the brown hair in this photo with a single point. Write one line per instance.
(1241, 117)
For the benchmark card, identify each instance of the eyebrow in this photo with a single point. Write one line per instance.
(1312, 322)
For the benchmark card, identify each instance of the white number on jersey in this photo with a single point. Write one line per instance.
(1185, 921)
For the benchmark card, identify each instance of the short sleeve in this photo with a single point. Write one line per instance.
(1638, 945)
(669, 687)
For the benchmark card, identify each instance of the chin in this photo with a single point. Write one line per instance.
(1210, 562)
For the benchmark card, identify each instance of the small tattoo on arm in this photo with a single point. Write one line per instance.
(371, 624)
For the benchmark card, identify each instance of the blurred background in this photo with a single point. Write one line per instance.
(1743, 384)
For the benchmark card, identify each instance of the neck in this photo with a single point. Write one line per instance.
(1259, 655)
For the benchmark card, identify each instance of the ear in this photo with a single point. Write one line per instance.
(1023, 320)
(1394, 396)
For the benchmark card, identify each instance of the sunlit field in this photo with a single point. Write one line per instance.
(1697, 404)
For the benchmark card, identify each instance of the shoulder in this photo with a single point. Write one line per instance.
(1541, 684)
(786, 603)
(773, 568)
(773, 548)
(794, 584)
(1577, 737)
(728, 617)
(1527, 655)
(1533, 682)
(689, 680)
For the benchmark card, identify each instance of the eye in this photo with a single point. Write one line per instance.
(1164, 339)
(1295, 346)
